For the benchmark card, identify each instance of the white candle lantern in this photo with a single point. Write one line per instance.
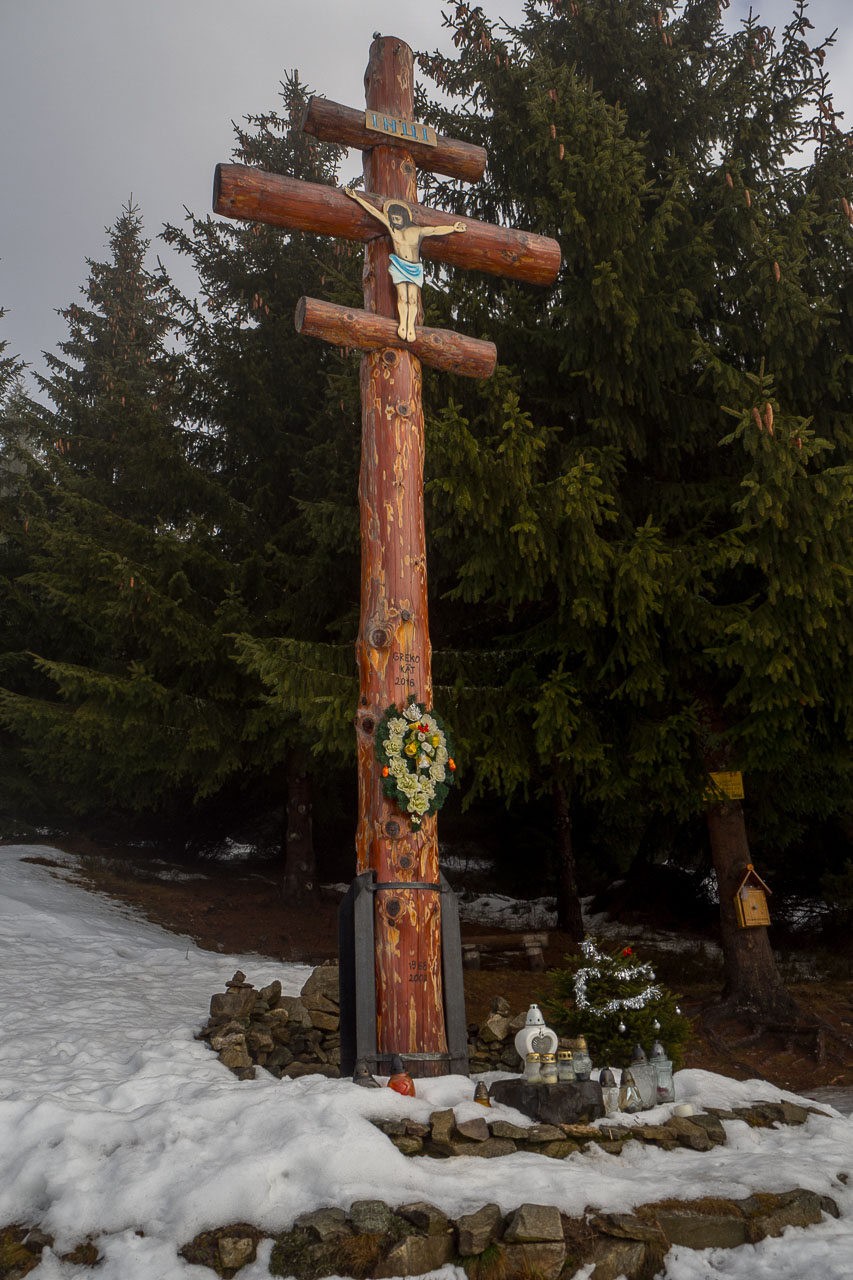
(534, 1029)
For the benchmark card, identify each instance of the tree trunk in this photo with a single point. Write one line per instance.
(752, 982)
(569, 915)
(393, 647)
(300, 867)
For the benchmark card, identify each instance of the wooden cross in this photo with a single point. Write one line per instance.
(393, 648)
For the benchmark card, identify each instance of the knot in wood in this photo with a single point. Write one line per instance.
(392, 829)
(379, 639)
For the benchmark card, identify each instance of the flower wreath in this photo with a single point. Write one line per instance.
(413, 748)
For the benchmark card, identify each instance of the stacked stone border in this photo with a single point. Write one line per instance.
(534, 1242)
(445, 1136)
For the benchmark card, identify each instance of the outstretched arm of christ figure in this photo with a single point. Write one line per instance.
(371, 209)
(441, 231)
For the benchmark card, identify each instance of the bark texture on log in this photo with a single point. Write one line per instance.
(393, 647)
(439, 348)
(332, 122)
(240, 191)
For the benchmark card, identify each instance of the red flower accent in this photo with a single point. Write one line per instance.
(626, 951)
(451, 765)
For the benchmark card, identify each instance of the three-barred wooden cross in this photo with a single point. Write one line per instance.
(393, 648)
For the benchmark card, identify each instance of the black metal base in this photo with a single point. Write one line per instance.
(357, 980)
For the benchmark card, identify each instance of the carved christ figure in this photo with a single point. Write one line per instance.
(406, 269)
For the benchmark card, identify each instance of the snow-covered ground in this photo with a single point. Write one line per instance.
(116, 1124)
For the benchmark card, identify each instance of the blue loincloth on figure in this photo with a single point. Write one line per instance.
(406, 272)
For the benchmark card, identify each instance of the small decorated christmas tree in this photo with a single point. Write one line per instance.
(615, 1001)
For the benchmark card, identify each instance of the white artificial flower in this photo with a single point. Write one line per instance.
(397, 725)
(412, 712)
(437, 772)
(393, 744)
(441, 755)
(397, 767)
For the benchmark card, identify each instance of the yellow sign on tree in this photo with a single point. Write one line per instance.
(730, 782)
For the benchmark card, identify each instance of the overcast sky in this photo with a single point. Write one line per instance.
(103, 98)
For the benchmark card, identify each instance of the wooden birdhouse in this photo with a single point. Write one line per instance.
(751, 900)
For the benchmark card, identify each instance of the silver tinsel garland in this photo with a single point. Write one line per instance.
(625, 974)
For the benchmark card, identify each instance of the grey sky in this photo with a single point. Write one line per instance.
(103, 98)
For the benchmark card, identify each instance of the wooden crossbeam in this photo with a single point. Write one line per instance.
(332, 122)
(439, 348)
(240, 191)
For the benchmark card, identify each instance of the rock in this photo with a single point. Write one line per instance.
(391, 1128)
(296, 1069)
(258, 1041)
(584, 1133)
(563, 1148)
(239, 980)
(295, 1010)
(442, 1125)
(617, 1258)
(271, 994)
(501, 1006)
(426, 1217)
(770, 1215)
(829, 1206)
(235, 1003)
(321, 989)
(324, 1021)
(521, 1261)
(280, 1057)
(554, 1104)
(408, 1146)
(325, 1224)
(236, 1251)
(793, 1114)
(477, 1230)
(510, 1058)
(726, 1229)
(477, 1130)
(534, 1222)
(712, 1126)
(504, 1129)
(543, 1133)
(370, 1217)
(235, 1055)
(494, 1029)
(627, 1227)
(415, 1255)
(657, 1133)
(487, 1150)
(416, 1130)
(689, 1135)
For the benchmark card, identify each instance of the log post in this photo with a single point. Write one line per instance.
(393, 647)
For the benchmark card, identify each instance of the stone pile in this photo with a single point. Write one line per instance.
(288, 1035)
(299, 1035)
(491, 1044)
(374, 1240)
(485, 1138)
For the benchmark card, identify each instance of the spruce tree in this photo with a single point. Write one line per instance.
(118, 526)
(281, 420)
(699, 619)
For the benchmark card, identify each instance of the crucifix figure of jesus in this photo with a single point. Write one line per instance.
(405, 267)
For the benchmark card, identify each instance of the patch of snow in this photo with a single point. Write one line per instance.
(509, 913)
(114, 1119)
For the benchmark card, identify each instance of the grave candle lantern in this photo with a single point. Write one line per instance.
(663, 1070)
